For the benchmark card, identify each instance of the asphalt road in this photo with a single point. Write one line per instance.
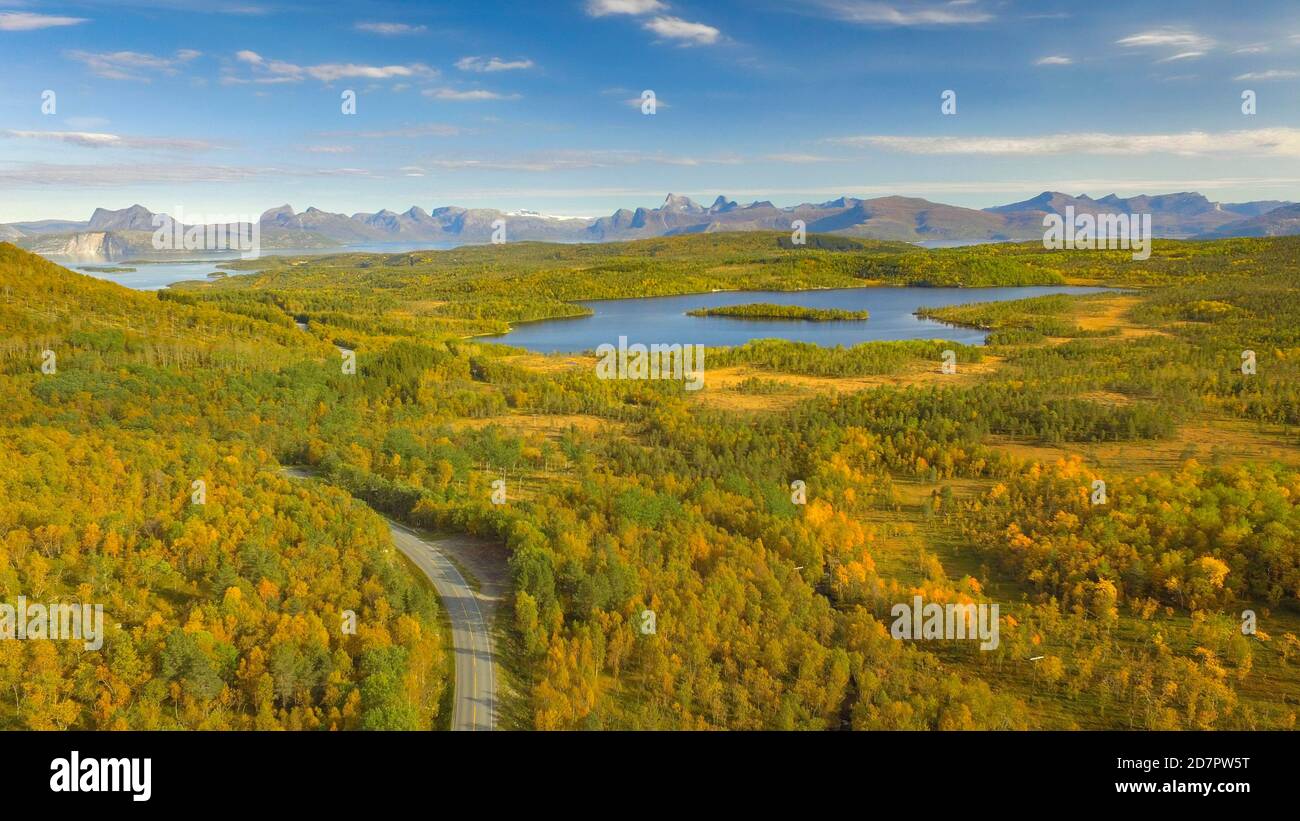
(475, 702)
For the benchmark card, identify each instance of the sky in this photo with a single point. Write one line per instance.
(231, 108)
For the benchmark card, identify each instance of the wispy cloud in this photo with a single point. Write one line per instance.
(1187, 44)
(328, 149)
(576, 159)
(1281, 142)
(466, 96)
(329, 72)
(903, 14)
(404, 132)
(28, 21)
(667, 27)
(601, 8)
(492, 64)
(683, 31)
(1182, 55)
(43, 175)
(1054, 60)
(1271, 74)
(541, 165)
(390, 29)
(798, 159)
(637, 102)
(94, 139)
(278, 71)
(132, 65)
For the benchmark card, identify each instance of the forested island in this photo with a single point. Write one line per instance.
(769, 310)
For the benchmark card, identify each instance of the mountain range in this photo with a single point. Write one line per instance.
(120, 234)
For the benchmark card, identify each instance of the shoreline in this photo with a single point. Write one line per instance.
(502, 338)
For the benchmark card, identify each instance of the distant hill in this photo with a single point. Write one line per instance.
(112, 235)
(1172, 215)
(128, 233)
(1255, 209)
(135, 218)
(1278, 222)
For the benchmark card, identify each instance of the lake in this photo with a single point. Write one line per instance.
(663, 319)
(150, 276)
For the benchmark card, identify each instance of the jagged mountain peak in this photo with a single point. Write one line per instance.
(134, 218)
(1179, 214)
(673, 202)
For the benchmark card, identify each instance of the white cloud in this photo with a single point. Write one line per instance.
(911, 14)
(684, 32)
(278, 71)
(1271, 74)
(1167, 38)
(26, 21)
(390, 28)
(131, 65)
(675, 28)
(1055, 60)
(94, 139)
(405, 132)
(601, 8)
(329, 72)
(474, 95)
(110, 175)
(637, 102)
(1277, 142)
(40, 175)
(1182, 55)
(328, 149)
(575, 159)
(492, 64)
(510, 165)
(798, 159)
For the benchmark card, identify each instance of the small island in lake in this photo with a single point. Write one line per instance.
(105, 269)
(768, 310)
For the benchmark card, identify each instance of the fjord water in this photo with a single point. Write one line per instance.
(663, 319)
(151, 275)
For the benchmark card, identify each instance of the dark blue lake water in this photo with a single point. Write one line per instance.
(664, 320)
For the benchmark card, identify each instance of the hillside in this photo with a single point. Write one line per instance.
(1172, 215)
(220, 613)
(629, 495)
(1279, 222)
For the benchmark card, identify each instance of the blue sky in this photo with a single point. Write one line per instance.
(235, 107)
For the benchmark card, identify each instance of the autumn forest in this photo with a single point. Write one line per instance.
(143, 467)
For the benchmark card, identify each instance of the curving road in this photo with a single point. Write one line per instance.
(475, 701)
